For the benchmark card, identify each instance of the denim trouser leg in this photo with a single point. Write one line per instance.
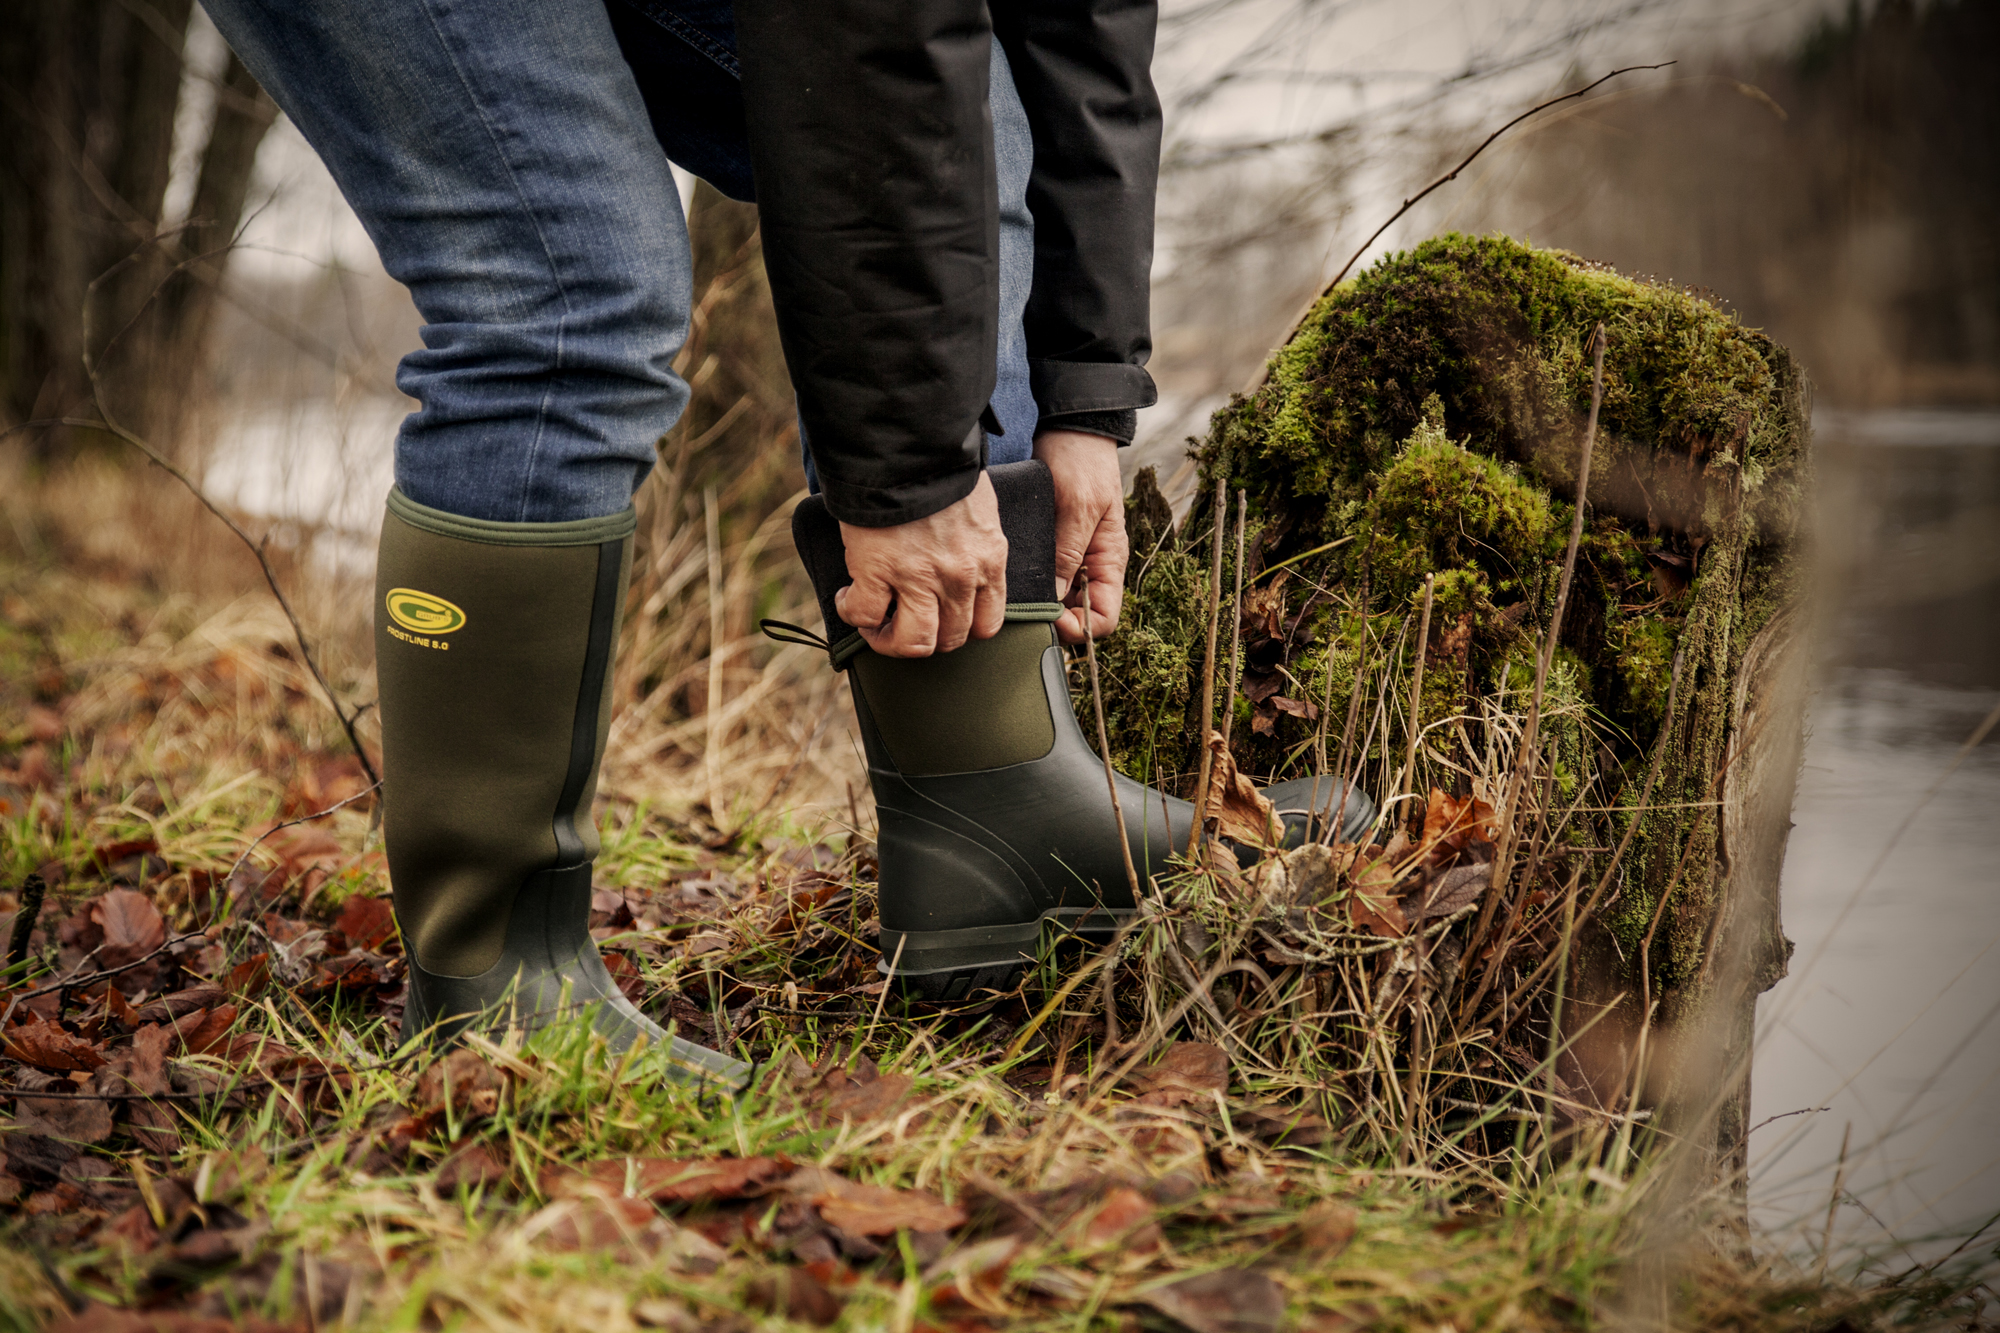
(1014, 157)
(500, 157)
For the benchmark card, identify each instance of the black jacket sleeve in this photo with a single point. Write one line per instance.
(872, 144)
(1083, 68)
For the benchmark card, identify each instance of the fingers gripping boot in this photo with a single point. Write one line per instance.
(994, 820)
(493, 646)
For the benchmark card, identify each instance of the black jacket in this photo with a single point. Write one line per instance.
(871, 144)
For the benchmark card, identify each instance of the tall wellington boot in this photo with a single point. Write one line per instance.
(993, 816)
(493, 648)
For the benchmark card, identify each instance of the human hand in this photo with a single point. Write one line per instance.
(1090, 529)
(945, 575)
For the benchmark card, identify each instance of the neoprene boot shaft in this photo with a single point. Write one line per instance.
(494, 644)
(992, 810)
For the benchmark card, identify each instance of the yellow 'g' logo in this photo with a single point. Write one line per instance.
(421, 613)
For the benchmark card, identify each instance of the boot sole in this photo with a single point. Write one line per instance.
(948, 965)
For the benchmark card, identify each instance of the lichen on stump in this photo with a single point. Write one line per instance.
(1427, 418)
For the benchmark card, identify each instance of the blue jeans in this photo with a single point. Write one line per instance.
(509, 158)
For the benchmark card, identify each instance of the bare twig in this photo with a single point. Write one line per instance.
(32, 890)
(92, 978)
(1104, 748)
(293, 823)
(1408, 780)
(712, 708)
(1208, 664)
(1235, 622)
(1452, 175)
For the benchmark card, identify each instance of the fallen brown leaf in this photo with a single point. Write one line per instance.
(366, 922)
(49, 1047)
(132, 927)
(866, 1101)
(1461, 886)
(872, 1210)
(472, 1084)
(1125, 1221)
(1240, 811)
(795, 1294)
(1227, 1300)
(1190, 1071)
(61, 1118)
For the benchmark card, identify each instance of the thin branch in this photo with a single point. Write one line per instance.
(1452, 175)
(1235, 622)
(1208, 662)
(293, 823)
(256, 549)
(1104, 749)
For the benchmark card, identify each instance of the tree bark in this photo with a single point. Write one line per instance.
(91, 93)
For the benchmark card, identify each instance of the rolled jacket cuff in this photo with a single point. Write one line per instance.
(1117, 425)
(1061, 387)
(868, 506)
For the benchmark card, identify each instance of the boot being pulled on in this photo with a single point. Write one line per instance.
(994, 818)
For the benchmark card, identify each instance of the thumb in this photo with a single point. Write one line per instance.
(865, 603)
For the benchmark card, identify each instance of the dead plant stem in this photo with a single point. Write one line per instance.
(1408, 780)
(1524, 757)
(1208, 664)
(1104, 750)
(1235, 621)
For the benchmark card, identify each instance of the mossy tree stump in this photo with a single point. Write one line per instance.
(1427, 418)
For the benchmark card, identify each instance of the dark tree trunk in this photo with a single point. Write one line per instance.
(91, 88)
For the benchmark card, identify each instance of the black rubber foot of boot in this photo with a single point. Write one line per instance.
(945, 966)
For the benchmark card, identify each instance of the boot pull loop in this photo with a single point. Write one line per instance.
(784, 631)
(839, 652)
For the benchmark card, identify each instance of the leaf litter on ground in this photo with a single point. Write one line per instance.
(210, 1123)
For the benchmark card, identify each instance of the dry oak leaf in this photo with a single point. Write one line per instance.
(872, 1210)
(1227, 1300)
(366, 922)
(169, 1008)
(473, 1085)
(47, 1046)
(1123, 1221)
(61, 1118)
(1455, 823)
(132, 927)
(1190, 1071)
(206, 1029)
(866, 1101)
(1240, 812)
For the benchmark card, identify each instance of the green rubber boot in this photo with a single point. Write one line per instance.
(993, 818)
(493, 648)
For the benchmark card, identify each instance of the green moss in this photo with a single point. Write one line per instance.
(1432, 411)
